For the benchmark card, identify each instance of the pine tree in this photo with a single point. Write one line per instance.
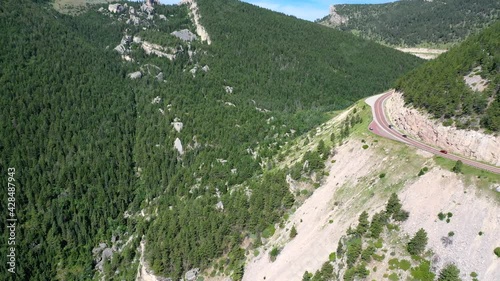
(293, 232)
(417, 244)
(363, 223)
(393, 205)
(449, 273)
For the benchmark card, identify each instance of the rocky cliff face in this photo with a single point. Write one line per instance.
(336, 19)
(473, 144)
(195, 14)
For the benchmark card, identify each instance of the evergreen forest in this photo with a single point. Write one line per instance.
(93, 149)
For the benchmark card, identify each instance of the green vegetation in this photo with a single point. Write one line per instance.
(274, 253)
(458, 167)
(449, 273)
(416, 22)
(423, 272)
(293, 232)
(417, 244)
(92, 152)
(497, 251)
(439, 87)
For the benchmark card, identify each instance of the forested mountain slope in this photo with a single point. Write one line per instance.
(462, 86)
(415, 22)
(178, 160)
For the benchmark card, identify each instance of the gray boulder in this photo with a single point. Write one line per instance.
(121, 49)
(116, 8)
(135, 75)
(184, 35)
(192, 274)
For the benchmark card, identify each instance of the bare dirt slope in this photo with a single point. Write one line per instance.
(316, 238)
(354, 184)
(472, 211)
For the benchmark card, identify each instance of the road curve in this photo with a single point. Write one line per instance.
(380, 126)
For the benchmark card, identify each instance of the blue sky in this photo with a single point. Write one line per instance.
(304, 9)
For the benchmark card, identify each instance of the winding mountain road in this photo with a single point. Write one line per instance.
(380, 126)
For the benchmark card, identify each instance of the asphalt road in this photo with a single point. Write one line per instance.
(380, 126)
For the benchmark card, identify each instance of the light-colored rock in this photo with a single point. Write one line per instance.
(194, 12)
(336, 19)
(230, 104)
(101, 10)
(116, 8)
(131, 11)
(184, 35)
(178, 146)
(160, 51)
(147, 9)
(205, 68)
(472, 144)
(156, 100)
(134, 20)
(135, 75)
(151, 3)
(228, 89)
(219, 206)
(121, 49)
(127, 39)
(137, 39)
(127, 58)
(177, 126)
(192, 274)
(160, 76)
(162, 17)
(193, 71)
(475, 81)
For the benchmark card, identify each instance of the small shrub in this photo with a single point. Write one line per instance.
(450, 214)
(447, 220)
(473, 274)
(481, 233)
(293, 232)
(451, 233)
(269, 231)
(393, 277)
(381, 175)
(332, 256)
(365, 146)
(274, 253)
(497, 251)
(378, 258)
(441, 216)
(404, 265)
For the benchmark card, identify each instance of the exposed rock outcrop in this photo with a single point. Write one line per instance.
(157, 50)
(472, 144)
(116, 8)
(184, 35)
(192, 274)
(336, 19)
(228, 89)
(195, 14)
(475, 81)
(135, 75)
(178, 125)
(178, 146)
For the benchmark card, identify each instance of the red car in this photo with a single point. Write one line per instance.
(443, 151)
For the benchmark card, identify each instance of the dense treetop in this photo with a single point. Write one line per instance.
(417, 22)
(440, 88)
(90, 146)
